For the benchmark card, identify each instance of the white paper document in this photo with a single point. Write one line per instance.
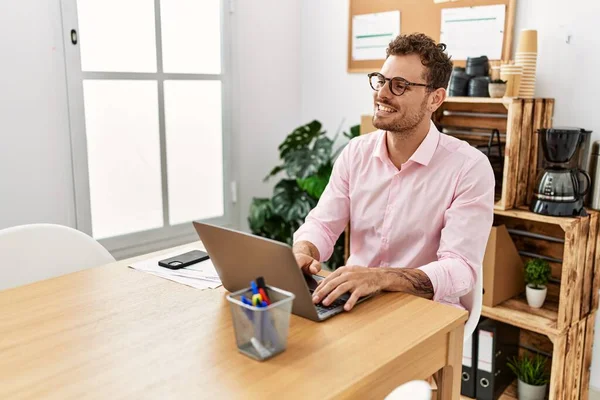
(485, 353)
(201, 275)
(468, 352)
(371, 34)
(473, 31)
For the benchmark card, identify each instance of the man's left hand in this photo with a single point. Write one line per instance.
(359, 281)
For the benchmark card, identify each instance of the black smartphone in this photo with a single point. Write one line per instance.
(184, 260)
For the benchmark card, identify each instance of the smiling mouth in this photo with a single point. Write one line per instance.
(384, 108)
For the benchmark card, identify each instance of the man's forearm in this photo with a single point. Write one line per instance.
(306, 247)
(412, 281)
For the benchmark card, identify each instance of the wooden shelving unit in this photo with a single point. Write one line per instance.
(571, 246)
(566, 320)
(473, 119)
(479, 100)
(516, 312)
(563, 327)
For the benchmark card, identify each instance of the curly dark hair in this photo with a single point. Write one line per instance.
(433, 56)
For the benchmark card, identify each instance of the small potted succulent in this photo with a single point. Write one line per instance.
(497, 88)
(537, 273)
(533, 376)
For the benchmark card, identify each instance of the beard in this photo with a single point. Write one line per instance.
(403, 125)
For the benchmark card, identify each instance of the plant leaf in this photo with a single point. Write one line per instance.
(322, 148)
(531, 371)
(315, 185)
(300, 138)
(290, 202)
(303, 163)
(354, 132)
(274, 172)
(275, 228)
(537, 272)
(264, 222)
(260, 211)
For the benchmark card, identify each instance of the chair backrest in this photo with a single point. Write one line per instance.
(472, 301)
(34, 252)
(413, 390)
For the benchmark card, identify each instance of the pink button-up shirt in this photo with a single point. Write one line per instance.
(435, 213)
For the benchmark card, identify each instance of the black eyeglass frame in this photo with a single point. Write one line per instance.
(404, 82)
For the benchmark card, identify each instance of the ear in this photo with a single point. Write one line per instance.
(436, 98)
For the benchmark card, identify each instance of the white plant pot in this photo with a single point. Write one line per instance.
(530, 392)
(536, 297)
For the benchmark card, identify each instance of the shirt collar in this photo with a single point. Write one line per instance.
(422, 155)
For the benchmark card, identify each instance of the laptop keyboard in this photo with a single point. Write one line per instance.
(323, 308)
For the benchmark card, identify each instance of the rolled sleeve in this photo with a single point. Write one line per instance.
(467, 225)
(325, 222)
(450, 278)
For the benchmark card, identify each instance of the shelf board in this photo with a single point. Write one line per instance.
(517, 312)
(478, 100)
(524, 213)
(509, 394)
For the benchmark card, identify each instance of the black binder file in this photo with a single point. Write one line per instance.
(498, 342)
(469, 366)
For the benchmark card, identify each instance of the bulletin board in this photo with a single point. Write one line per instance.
(423, 16)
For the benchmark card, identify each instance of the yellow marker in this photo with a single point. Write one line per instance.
(256, 300)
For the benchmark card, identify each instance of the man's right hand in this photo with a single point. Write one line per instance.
(307, 264)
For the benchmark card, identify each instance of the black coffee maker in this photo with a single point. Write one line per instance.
(563, 183)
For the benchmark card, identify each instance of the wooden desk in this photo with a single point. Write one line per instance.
(115, 333)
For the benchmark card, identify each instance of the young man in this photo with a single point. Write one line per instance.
(420, 203)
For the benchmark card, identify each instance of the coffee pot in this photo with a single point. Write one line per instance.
(563, 183)
(563, 188)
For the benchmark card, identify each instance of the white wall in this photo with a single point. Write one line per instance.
(267, 59)
(329, 93)
(566, 72)
(36, 183)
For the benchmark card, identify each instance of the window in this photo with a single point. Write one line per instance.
(147, 87)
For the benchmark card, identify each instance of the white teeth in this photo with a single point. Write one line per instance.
(386, 109)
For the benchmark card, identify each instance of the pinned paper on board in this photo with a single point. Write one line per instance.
(473, 31)
(371, 34)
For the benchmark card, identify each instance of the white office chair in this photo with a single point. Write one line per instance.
(414, 390)
(472, 301)
(34, 252)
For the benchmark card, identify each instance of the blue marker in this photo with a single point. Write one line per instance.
(254, 287)
(247, 301)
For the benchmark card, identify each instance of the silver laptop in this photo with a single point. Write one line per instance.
(240, 258)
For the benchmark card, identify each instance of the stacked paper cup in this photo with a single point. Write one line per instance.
(527, 57)
(512, 75)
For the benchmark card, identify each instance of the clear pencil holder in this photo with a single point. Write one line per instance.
(261, 332)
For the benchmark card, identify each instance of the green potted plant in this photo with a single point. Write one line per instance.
(497, 88)
(537, 273)
(307, 158)
(533, 376)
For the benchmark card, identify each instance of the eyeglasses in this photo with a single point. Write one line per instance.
(397, 85)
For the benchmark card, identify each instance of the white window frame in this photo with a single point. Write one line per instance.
(169, 235)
